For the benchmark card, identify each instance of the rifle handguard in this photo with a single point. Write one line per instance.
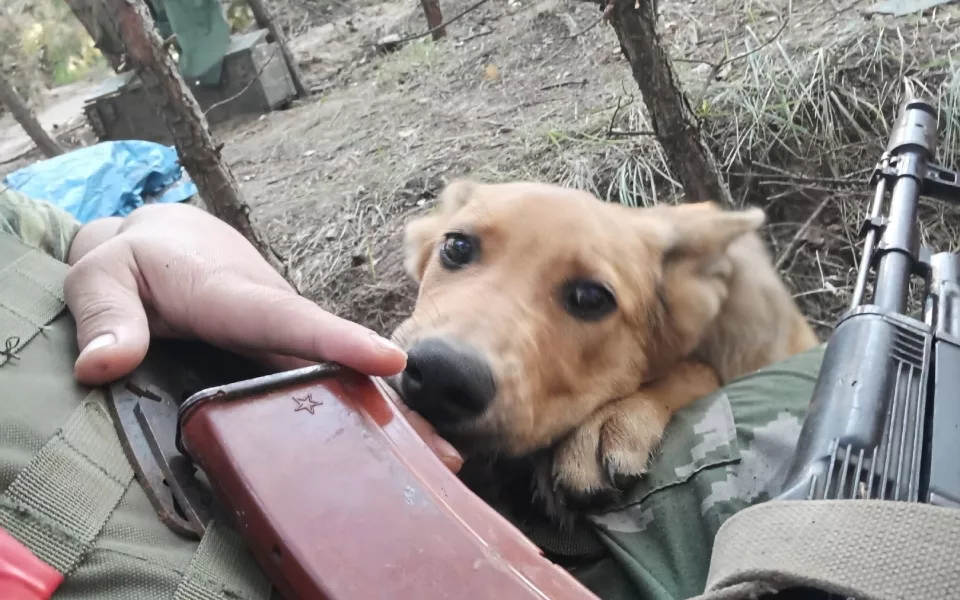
(339, 498)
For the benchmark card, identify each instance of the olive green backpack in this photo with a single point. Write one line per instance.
(68, 492)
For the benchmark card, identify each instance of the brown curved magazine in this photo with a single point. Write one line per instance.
(339, 498)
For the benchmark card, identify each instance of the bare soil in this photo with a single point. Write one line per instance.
(797, 113)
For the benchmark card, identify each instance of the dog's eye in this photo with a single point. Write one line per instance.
(588, 300)
(458, 250)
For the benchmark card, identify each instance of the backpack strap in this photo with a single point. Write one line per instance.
(32, 295)
(222, 568)
(864, 549)
(58, 504)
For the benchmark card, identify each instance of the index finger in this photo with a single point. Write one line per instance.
(257, 318)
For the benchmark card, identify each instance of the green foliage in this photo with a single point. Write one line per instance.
(43, 45)
(239, 15)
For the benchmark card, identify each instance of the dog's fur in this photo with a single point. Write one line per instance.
(698, 303)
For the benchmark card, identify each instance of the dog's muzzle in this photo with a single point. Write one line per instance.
(446, 381)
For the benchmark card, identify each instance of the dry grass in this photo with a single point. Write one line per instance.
(797, 123)
(803, 129)
(798, 131)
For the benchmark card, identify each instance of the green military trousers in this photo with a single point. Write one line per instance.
(67, 492)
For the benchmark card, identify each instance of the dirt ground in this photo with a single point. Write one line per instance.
(804, 93)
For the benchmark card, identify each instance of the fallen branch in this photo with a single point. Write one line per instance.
(580, 82)
(791, 178)
(476, 35)
(625, 133)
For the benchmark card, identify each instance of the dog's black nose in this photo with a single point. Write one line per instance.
(446, 381)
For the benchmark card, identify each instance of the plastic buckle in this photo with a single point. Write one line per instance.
(23, 576)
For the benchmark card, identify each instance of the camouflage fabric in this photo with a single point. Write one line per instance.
(37, 223)
(720, 455)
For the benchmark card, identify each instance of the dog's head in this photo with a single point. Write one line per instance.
(538, 304)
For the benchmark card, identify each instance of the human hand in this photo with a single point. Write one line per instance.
(175, 271)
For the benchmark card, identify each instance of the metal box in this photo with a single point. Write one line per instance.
(120, 108)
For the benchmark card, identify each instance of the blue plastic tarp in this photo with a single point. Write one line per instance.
(107, 179)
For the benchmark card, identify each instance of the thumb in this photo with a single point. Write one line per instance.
(112, 330)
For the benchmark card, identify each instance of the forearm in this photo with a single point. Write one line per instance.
(51, 229)
(36, 223)
(92, 235)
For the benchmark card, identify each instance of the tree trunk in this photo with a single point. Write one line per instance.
(431, 9)
(199, 155)
(674, 123)
(90, 14)
(265, 21)
(22, 113)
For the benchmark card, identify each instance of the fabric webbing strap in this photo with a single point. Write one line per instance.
(32, 295)
(58, 503)
(222, 568)
(865, 549)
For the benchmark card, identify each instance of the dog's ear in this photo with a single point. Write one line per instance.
(695, 242)
(421, 233)
(703, 230)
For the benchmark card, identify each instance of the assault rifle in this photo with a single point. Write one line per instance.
(883, 427)
(884, 421)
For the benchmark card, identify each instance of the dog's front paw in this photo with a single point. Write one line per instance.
(608, 452)
(602, 457)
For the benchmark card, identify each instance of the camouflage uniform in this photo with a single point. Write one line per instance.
(37, 223)
(719, 455)
(723, 453)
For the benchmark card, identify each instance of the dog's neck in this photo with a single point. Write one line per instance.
(748, 334)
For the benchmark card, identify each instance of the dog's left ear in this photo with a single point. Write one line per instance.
(695, 240)
(421, 233)
(704, 230)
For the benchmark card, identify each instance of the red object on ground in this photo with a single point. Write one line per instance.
(23, 576)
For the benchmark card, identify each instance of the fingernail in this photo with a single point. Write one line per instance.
(101, 341)
(386, 345)
(445, 449)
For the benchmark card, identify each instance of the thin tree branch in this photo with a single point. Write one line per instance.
(789, 250)
(715, 67)
(443, 25)
(246, 87)
(580, 82)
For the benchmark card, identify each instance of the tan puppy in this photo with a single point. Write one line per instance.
(547, 319)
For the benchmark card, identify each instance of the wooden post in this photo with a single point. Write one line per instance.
(431, 9)
(10, 98)
(198, 153)
(674, 123)
(265, 21)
